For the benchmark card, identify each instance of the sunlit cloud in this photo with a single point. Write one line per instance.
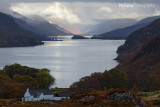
(77, 15)
(59, 11)
(48, 10)
(105, 9)
(81, 12)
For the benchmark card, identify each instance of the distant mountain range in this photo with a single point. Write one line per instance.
(41, 28)
(21, 31)
(109, 25)
(12, 35)
(139, 56)
(124, 32)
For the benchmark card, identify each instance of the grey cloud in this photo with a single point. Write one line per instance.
(4, 6)
(88, 10)
(35, 1)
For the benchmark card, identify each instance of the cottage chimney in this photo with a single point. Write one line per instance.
(28, 89)
(50, 88)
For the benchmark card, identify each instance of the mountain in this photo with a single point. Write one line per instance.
(109, 25)
(139, 56)
(140, 36)
(124, 32)
(41, 28)
(139, 63)
(11, 35)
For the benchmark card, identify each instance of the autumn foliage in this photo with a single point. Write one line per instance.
(139, 57)
(15, 79)
(108, 79)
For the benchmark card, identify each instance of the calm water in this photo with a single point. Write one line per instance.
(68, 60)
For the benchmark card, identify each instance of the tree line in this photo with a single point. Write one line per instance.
(106, 80)
(15, 79)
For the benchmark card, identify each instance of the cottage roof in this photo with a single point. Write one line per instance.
(37, 93)
(63, 94)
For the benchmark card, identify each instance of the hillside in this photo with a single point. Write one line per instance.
(139, 63)
(139, 56)
(11, 35)
(140, 36)
(109, 25)
(41, 28)
(123, 33)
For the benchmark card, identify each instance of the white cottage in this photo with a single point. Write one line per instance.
(37, 95)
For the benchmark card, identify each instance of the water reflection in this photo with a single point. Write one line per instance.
(68, 60)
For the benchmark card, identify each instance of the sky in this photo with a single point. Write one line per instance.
(82, 12)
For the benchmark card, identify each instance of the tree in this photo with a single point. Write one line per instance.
(14, 80)
(135, 89)
(10, 88)
(28, 81)
(109, 79)
(45, 80)
(2, 72)
(18, 78)
(45, 70)
(119, 79)
(12, 68)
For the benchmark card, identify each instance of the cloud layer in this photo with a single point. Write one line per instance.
(82, 11)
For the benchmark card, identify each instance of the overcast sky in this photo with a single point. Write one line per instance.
(82, 11)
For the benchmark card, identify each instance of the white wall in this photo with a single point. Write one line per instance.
(59, 98)
(27, 94)
(49, 97)
(29, 98)
(41, 97)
